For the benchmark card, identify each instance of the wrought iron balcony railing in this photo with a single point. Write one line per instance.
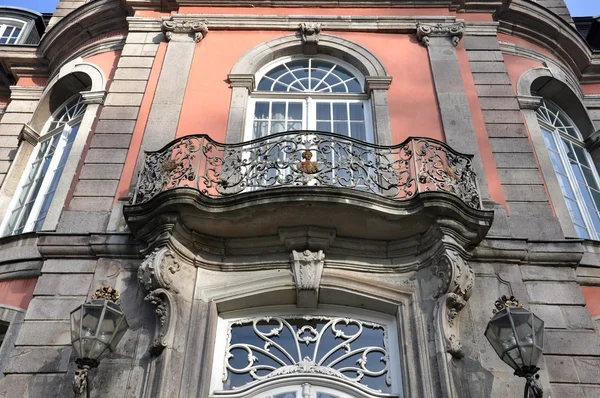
(307, 158)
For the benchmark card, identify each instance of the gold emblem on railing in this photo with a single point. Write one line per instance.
(306, 166)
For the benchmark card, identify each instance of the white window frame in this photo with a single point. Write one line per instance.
(308, 98)
(64, 130)
(6, 23)
(557, 136)
(339, 386)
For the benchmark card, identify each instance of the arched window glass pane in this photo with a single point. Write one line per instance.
(36, 191)
(352, 350)
(576, 173)
(310, 76)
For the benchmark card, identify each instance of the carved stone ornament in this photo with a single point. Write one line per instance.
(154, 275)
(307, 268)
(456, 284)
(311, 32)
(455, 31)
(157, 268)
(198, 27)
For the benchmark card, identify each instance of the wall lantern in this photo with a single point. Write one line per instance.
(96, 328)
(517, 336)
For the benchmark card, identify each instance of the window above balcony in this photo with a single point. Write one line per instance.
(307, 93)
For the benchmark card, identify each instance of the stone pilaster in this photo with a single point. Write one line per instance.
(441, 40)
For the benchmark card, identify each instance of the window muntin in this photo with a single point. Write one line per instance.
(307, 390)
(357, 351)
(310, 75)
(10, 30)
(309, 94)
(32, 200)
(576, 173)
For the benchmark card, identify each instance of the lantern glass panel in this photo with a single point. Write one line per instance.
(75, 329)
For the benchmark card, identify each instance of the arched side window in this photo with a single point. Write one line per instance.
(304, 93)
(317, 354)
(32, 200)
(576, 173)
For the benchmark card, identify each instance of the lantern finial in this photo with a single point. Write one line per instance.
(506, 301)
(107, 293)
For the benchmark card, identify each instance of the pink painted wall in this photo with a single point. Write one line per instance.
(592, 299)
(516, 66)
(413, 104)
(17, 292)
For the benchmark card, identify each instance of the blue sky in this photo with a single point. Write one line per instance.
(577, 7)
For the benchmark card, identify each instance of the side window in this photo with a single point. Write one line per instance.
(576, 173)
(302, 93)
(33, 197)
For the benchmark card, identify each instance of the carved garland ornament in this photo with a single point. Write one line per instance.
(199, 28)
(455, 31)
(154, 276)
(456, 284)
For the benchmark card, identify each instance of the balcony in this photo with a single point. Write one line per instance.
(307, 158)
(305, 178)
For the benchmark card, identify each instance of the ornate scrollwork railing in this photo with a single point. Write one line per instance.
(307, 158)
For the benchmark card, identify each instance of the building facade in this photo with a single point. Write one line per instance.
(316, 199)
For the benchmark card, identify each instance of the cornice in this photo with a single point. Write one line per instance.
(83, 25)
(538, 25)
(358, 23)
(562, 253)
(22, 61)
(26, 93)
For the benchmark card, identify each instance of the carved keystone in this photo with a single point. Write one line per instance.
(455, 31)
(307, 268)
(311, 33)
(184, 27)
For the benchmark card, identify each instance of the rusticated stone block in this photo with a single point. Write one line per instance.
(44, 333)
(541, 273)
(561, 369)
(69, 266)
(63, 285)
(38, 360)
(572, 342)
(568, 293)
(52, 308)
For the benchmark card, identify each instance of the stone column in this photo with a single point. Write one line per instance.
(441, 40)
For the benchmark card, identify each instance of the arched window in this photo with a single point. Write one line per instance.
(303, 93)
(317, 354)
(576, 173)
(32, 199)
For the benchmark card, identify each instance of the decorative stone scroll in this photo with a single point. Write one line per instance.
(155, 277)
(307, 267)
(455, 287)
(455, 31)
(198, 27)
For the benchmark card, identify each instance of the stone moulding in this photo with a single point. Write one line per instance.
(172, 28)
(453, 30)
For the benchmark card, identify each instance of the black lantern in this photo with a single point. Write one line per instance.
(517, 336)
(96, 328)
